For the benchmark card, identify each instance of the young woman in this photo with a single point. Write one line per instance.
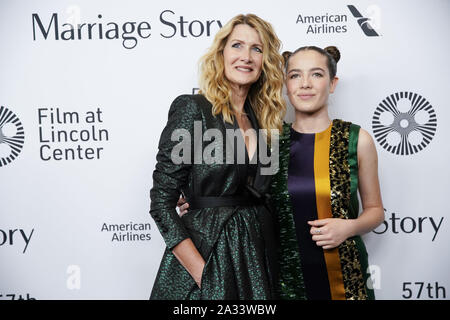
(323, 164)
(221, 249)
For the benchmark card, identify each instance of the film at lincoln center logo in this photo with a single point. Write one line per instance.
(12, 136)
(404, 123)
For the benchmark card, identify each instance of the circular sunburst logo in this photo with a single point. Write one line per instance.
(404, 123)
(12, 136)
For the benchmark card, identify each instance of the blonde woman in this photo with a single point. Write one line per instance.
(221, 249)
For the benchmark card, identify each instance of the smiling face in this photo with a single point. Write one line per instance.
(243, 56)
(308, 81)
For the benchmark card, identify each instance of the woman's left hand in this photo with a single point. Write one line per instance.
(331, 232)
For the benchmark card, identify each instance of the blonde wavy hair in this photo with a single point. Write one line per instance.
(265, 95)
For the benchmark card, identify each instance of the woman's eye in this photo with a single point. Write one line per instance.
(317, 74)
(236, 45)
(257, 49)
(294, 76)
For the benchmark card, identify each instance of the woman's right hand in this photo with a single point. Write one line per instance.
(182, 206)
(190, 259)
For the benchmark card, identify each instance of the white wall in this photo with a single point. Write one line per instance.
(60, 207)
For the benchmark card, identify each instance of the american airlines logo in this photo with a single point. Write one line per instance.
(367, 25)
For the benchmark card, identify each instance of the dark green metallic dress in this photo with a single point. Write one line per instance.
(318, 179)
(235, 241)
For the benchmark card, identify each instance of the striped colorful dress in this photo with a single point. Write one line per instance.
(318, 179)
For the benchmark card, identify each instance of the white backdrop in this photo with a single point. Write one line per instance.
(79, 228)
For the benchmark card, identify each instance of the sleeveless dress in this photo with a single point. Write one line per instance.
(318, 179)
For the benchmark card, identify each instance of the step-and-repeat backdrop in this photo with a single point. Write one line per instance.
(85, 89)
